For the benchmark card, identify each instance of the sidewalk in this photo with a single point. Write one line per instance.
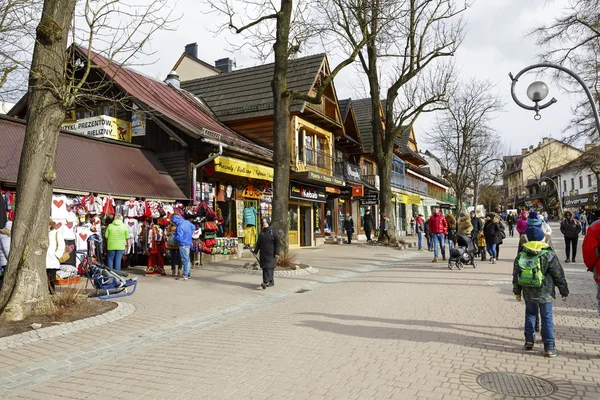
(373, 323)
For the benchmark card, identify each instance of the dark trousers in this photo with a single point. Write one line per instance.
(268, 274)
(384, 234)
(571, 244)
(368, 230)
(498, 251)
(349, 236)
(51, 273)
(175, 259)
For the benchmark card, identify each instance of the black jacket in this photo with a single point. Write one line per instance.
(570, 228)
(369, 222)
(510, 220)
(349, 225)
(492, 231)
(268, 245)
(477, 225)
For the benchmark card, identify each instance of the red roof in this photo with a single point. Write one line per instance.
(179, 106)
(85, 164)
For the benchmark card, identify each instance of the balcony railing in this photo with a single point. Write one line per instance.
(404, 182)
(370, 179)
(321, 160)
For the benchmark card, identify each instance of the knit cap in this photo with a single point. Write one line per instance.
(534, 220)
(534, 234)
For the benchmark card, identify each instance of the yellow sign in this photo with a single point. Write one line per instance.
(413, 199)
(406, 198)
(102, 126)
(236, 167)
(251, 192)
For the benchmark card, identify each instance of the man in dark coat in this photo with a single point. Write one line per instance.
(477, 225)
(368, 223)
(268, 245)
(349, 227)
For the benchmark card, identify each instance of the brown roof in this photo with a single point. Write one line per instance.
(86, 164)
(247, 93)
(364, 112)
(178, 106)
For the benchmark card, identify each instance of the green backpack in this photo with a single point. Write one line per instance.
(531, 273)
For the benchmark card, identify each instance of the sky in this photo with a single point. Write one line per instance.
(496, 43)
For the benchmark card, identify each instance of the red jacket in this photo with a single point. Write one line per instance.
(438, 224)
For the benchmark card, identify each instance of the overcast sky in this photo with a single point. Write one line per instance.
(495, 45)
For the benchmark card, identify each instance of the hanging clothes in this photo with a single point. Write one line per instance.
(58, 210)
(3, 218)
(108, 206)
(156, 245)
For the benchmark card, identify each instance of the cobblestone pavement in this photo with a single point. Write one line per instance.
(373, 323)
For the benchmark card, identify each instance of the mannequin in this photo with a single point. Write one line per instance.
(250, 216)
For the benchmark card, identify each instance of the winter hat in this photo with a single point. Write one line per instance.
(534, 233)
(534, 220)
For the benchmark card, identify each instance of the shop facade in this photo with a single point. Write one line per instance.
(306, 222)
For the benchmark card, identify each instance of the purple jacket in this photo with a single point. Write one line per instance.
(521, 225)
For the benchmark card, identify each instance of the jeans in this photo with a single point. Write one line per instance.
(438, 241)
(420, 240)
(450, 244)
(184, 252)
(583, 228)
(571, 244)
(598, 295)
(175, 257)
(491, 249)
(531, 311)
(114, 259)
(511, 230)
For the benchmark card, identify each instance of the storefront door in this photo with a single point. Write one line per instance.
(305, 226)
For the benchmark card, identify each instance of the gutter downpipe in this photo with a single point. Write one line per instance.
(202, 163)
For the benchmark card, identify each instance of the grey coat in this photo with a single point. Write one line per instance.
(4, 246)
(268, 244)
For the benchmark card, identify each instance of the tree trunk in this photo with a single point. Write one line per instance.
(25, 289)
(385, 192)
(282, 123)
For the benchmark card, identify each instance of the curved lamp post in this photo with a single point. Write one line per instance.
(538, 91)
(543, 184)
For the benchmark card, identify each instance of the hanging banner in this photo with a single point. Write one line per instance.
(239, 211)
(233, 166)
(102, 126)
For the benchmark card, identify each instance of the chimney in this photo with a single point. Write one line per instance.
(173, 79)
(192, 49)
(524, 151)
(224, 64)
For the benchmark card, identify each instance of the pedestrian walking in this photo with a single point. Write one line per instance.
(173, 248)
(522, 223)
(438, 229)
(476, 224)
(383, 229)
(583, 221)
(536, 273)
(183, 237)
(54, 254)
(502, 236)
(116, 234)
(420, 228)
(570, 228)
(511, 220)
(4, 249)
(452, 231)
(428, 237)
(493, 236)
(368, 224)
(591, 255)
(349, 227)
(268, 245)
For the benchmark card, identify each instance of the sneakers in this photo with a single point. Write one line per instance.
(421, 249)
(567, 261)
(434, 260)
(493, 261)
(270, 284)
(529, 346)
(550, 351)
(263, 285)
(173, 273)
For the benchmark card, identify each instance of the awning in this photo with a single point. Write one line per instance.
(89, 165)
(233, 166)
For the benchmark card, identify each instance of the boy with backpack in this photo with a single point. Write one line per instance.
(536, 273)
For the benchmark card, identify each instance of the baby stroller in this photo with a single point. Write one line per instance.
(113, 283)
(463, 254)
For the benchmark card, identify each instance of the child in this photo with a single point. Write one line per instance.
(481, 244)
(536, 272)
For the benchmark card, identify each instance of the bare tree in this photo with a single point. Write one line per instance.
(464, 136)
(408, 39)
(282, 31)
(573, 40)
(485, 167)
(59, 78)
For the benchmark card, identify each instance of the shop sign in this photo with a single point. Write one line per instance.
(346, 192)
(304, 192)
(333, 190)
(102, 126)
(413, 199)
(581, 200)
(399, 198)
(370, 200)
(138, 122)
(353, 173)
(332, 180)
(246, 169)
(250, 192)
(357, 191)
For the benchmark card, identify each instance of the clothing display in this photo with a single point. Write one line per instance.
(250, 215)
(108, 206)
(250, 235)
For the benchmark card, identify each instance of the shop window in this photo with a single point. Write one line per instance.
(293, 218)
(590, 180)
(318, 217)
(572, 183)
(581, 182)
(329, 214)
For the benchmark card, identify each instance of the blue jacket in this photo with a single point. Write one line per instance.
(184, 231)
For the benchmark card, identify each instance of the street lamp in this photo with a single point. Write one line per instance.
(543, 185)
(538, 91)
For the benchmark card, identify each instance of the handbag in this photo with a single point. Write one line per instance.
(171, 241)
(66, 255)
